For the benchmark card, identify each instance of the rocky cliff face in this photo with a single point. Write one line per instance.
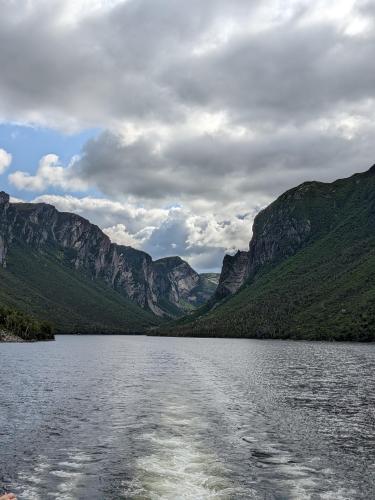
(159, 286)
(175, 279)
(234, 273)
(279, 231)
(4, 227)
(178, 283)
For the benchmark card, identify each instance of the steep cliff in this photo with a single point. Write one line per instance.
(86, 248)
(235, 272)
(309, 271)
(179, 286)
(280, 230)
(65, 243)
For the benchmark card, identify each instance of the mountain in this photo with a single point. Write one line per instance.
(59, 267)
(309, 272)
(179, 287)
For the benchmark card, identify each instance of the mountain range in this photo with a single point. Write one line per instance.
(57, 266)
(309, 273)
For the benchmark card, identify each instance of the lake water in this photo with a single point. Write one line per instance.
(164, 418)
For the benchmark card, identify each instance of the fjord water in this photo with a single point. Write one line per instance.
(165, 418)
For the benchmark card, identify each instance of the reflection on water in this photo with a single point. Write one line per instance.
(154, 418)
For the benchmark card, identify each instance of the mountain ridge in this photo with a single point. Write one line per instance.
(238, 269)
(309, 271)
(73, 247)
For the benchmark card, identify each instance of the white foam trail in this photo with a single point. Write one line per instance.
(178, 467)
(69, 475)
(66, 475)
(31, 480)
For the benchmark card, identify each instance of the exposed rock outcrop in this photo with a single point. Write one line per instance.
(180, 285)
(174, 279)
(4, 205)
(279, 231)
(6, 336)
(234, 273)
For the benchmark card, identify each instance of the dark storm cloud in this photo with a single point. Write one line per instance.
(136, 61)
(53, 70)
(101, 67)
(287, 73)
(222, 168)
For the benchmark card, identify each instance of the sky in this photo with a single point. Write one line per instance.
(170, 124)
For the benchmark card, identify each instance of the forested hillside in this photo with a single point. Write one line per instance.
(309, 272)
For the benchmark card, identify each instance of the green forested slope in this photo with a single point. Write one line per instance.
(326, 290)
(44, 285)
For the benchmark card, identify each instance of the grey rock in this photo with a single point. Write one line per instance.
(165, 287)
(279, 231)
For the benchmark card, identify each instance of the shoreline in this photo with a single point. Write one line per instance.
(8, 337)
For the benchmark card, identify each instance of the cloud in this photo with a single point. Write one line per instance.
(49, 174)
(108, 72)
(5, 160)
(201, 240)
(288, 73)
(222, 168)
(119, 234)
(145, 61)
(208, 112)
(108, 213)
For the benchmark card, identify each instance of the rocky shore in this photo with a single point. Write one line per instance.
(6, 336)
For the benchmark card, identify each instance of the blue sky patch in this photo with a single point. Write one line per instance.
(28, 144)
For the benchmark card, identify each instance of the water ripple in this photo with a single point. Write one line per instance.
(142, 418)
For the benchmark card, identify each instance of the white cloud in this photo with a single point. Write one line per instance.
(50, 173)
(5, 160)
(108, 213)
(120, 235)
(201, 239)
(13, 199)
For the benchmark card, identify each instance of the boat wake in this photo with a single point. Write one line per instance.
(178, 465)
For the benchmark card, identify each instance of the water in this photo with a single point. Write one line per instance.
(164, 418)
